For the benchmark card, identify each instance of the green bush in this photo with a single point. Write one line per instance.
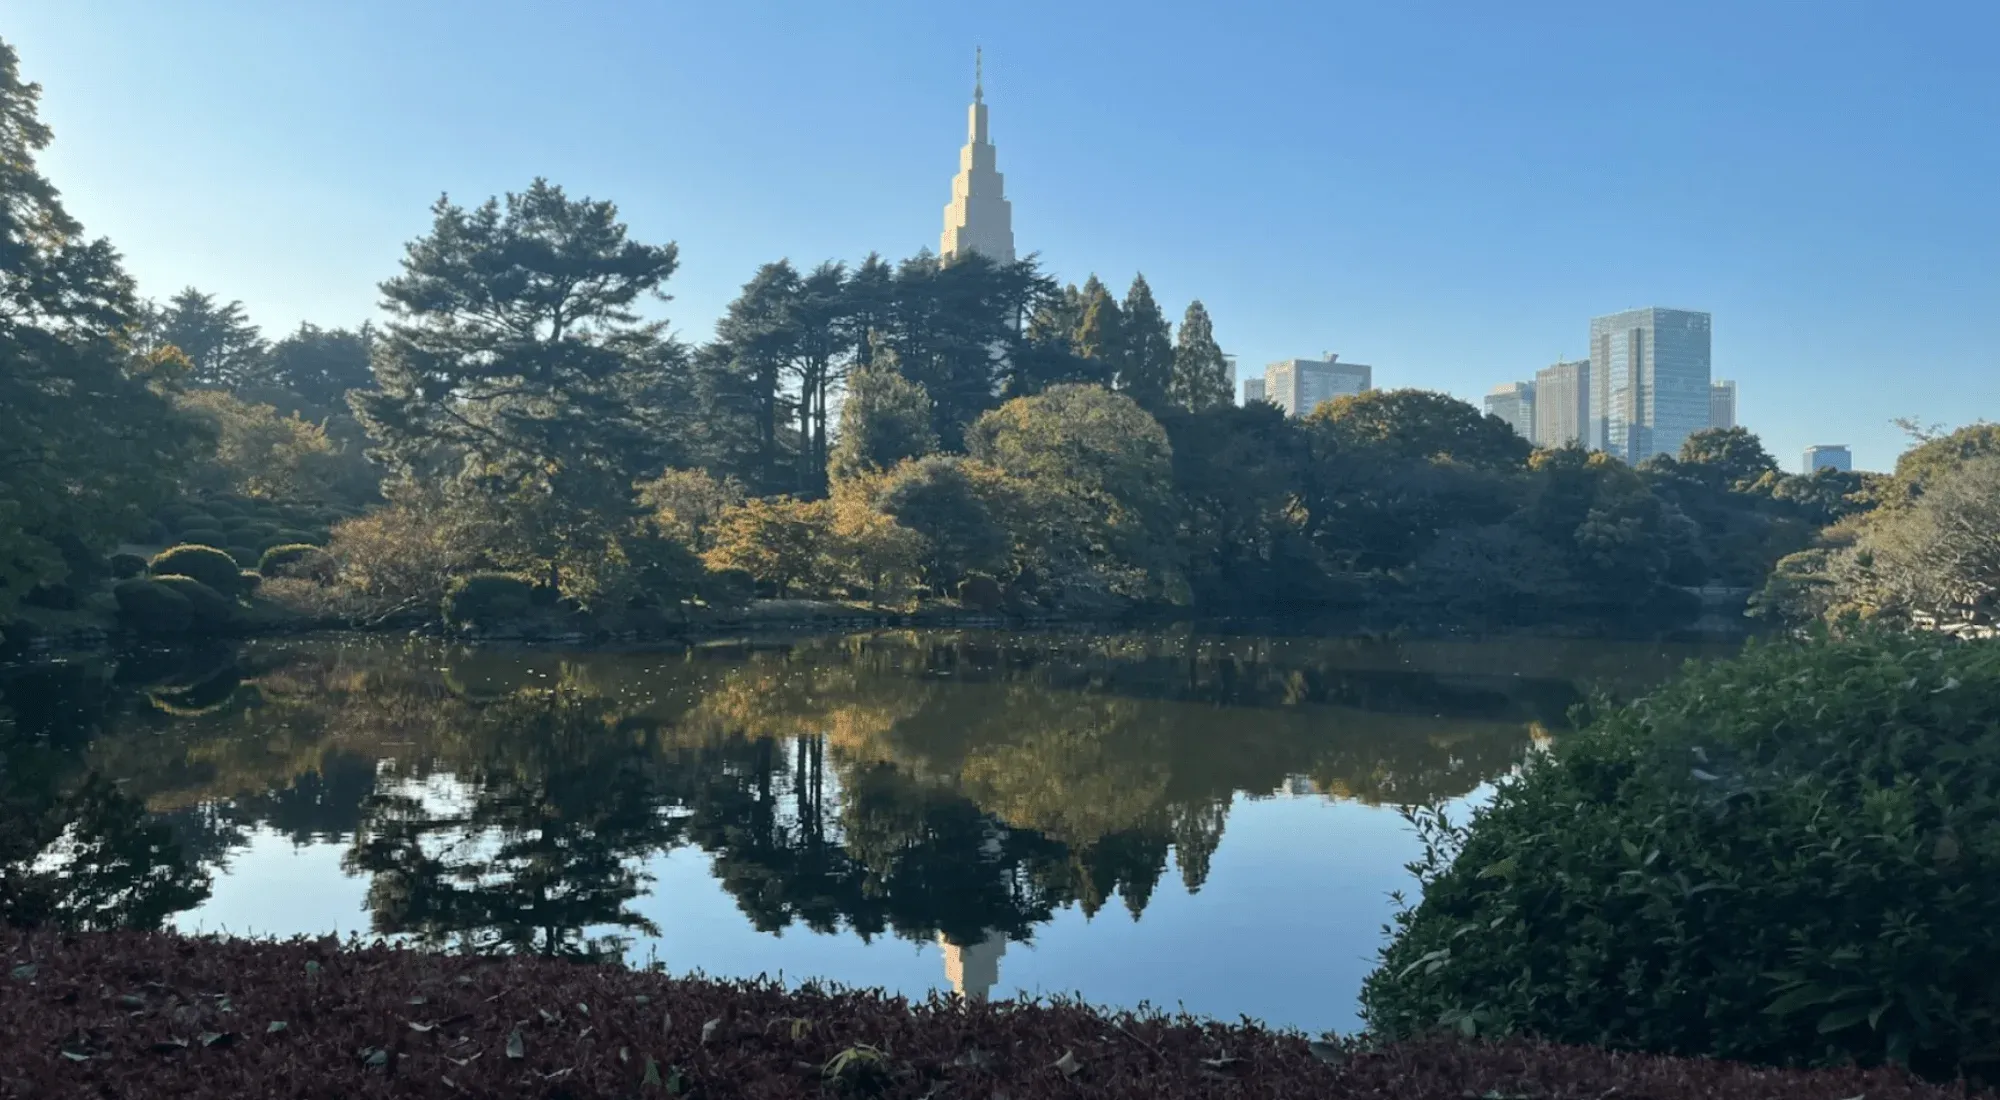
(211, 608)
(151, 607)
(296, 560)
(249, 580)
(288, 536)
(486, 600)
(127, 566)
(1790, 857)
(246, 556)
(210, 566)
(204, 536)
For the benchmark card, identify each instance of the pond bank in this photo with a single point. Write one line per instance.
(143, 1015)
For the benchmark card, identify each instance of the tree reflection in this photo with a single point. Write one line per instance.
(934, 787)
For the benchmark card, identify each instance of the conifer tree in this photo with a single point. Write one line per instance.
(1148, 367)
(1201, 373)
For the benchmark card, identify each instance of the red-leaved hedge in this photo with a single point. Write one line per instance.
(138, 1015)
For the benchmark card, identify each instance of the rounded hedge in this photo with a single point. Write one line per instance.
(294, 536)
(485, 600)
(210, 566)
(211, 608)
(246, 556)
(127, 566)
(296, 560)
(151, 607)
(204, 536)
(1789, 857)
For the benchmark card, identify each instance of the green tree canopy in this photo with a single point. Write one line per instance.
(517, 368)
(1733, 458)
(1147, 372)
(1201, 372)
(1419, 424)
(937, 499)
(227, 351)
(89, 443)
(884, 419)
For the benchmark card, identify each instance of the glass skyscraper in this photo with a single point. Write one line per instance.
(1649, 381)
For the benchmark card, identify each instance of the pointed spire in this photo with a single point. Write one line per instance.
(978, 74)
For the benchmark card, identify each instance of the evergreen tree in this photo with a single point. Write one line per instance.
(822, 346)
(226, 349)
(1099, 335)
(1045, 356)
(884, 419)
(755, 340)
(870, 306)
(320, 365)
(89, 443)
(1148, 367)
(517, 371)
(1201, 373)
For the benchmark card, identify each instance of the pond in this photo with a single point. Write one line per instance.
(1174, 819)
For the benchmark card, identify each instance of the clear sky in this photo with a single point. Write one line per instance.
(1447, 191)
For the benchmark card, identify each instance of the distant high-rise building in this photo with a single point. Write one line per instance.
(973, 969)
(1829, 456)
(1253, 390)
(1649, 381)
(1514, 403)
(1299, 386)
(1562, 403)
(979, 218)
(1722, 404)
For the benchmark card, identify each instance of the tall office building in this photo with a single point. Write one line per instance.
(1299, 386)
(1514, 403)
(1649, 381)
(1562, 403)
(973, 969)
(1829, 456)
(979, 217)
(1722, 405)
(1253, 390)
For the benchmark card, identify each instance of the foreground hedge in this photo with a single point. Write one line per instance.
(142, 1015)
(1790, 857)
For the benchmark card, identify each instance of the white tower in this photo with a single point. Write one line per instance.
(979, 217)
(973, 969)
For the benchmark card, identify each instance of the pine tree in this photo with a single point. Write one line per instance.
(1099, 334)
(227, 351)
(1148, 367)
(884, 419)
(1201, 373)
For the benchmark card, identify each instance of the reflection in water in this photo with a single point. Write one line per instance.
(956, 789)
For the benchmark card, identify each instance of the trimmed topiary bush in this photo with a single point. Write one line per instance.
(126, 566)
(204, 536)
(291, 536)
(485, 600)
(151, 607)
(211, 608)
(210, 566)
(246, 556)
(296, 559)
(1790, 857)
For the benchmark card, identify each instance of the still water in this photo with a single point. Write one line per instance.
(1168, 819)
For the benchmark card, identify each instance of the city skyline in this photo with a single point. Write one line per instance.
(1468, 187)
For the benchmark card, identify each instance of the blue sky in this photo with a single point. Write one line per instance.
(1447, 191)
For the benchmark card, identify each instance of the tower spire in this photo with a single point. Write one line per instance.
(978, 74)
(978, 216)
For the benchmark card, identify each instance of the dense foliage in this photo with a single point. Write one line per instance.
(1792, 856)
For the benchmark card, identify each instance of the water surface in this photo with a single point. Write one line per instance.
(1173, 819)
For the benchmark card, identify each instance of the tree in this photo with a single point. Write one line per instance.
(1934, 456)
(937, 499)
(687, 504)
(1099, 334)
(259, 453)
(884, 419)
(1938, 560)
(1419, 424)
(227, 350)
(89, 443)
(1731, 458)
(1148, 369)
(956, 327)
(1103, 470)
(517, 371)
(755, 339)
(1201, 371)
(779, 541)
(321, 365)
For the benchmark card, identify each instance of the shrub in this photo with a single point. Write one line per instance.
(204, 536)
(297, 559)
(151, 607)
(211, 608)
(780, 541)
(250, 579)
(288, 536)
(981, 593)
(404, 555)
(126, 566)
(246, 556)
(210, 566)
(486, 600)
(1790, 857)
